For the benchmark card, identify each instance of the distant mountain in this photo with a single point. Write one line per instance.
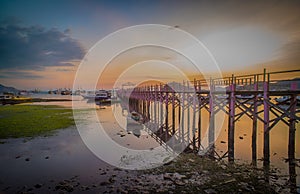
(5, 89)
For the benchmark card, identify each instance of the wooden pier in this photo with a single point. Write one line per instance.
(174, 111)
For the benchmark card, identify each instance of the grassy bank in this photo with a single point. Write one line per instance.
(32, 120)
(21, 100)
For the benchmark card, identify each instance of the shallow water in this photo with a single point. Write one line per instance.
(50, 158)
(243, 139)
(65, 155)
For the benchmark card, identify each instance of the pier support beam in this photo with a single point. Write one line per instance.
(254, 123)
(199, 126)
(292, 142)
(266, 119)
(182, 114)
(194, 120)
(173, 113)
(211, 132)
(161, 110)
(231, 121)
(167, 117)
(292, 126)
(199, 116)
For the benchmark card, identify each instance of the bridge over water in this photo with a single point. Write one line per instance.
(173, 113)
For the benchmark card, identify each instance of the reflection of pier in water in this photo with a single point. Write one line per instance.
(137, 128)
(174, 111)
(134, 127)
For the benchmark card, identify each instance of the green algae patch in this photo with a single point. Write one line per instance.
(33, 120)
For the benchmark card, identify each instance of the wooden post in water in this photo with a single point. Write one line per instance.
(161, 122)
(292, 126)
(179, 112)
(231, 121)
(144, 105)
(266, 119)
(153, 114)
(148, 109)
(155, 108)
(194, 116)
(167, 114)
(211, 132)
(292, 141)
(199, 117)
(173, 119)
(254, 121)
(188, 112)
(173, 112)
(182, 113)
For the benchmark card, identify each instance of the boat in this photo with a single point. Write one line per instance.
(101, 94)
(7, 96)
(100, 97)
(23, 93)
(76, 93)
(66, 92)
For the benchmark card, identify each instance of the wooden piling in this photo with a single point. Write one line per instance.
(155, 106)
(199, 115)
(254, 122)
(292, 142)
(188, 113)
(199, 126)
(211, 132)
(292, 128)
(161, 108)
(173, 112)
(167, 115)
(194, 116)
(231, 121)
(266, 119)
(182, 113)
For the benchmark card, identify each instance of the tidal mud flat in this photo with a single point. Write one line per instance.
(61, 163)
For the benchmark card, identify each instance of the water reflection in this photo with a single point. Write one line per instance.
(279, 136)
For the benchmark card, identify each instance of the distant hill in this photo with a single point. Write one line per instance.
(5, 89)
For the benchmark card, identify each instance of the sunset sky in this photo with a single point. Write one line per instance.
(43, 42)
